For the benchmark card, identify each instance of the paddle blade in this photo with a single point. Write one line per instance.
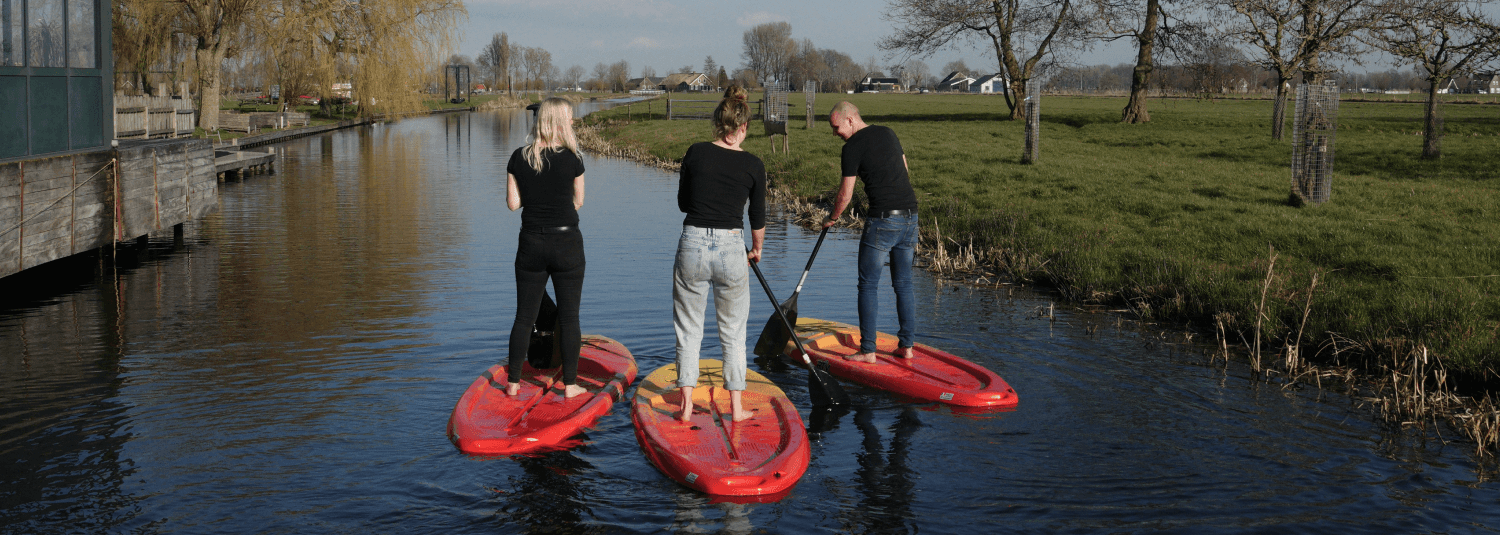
(774, 336)
(825, 391)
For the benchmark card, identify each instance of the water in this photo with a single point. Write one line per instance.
(291, 368)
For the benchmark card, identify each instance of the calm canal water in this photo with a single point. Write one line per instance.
(292, 367)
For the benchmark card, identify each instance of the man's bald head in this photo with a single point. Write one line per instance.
(845, 109)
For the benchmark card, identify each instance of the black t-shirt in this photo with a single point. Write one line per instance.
(546, 196)
(715, 184)
(874, 155)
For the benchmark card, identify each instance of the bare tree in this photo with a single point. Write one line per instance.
(213, 25)
(1444, 38)
(768, 52)
(1296, 36)
(1151, 28)
(494, 59)
(573, 76)
(955, 66)
(709, 67)
(617, 75)
(1012, 27)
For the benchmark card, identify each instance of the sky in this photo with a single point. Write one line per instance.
(669, 34)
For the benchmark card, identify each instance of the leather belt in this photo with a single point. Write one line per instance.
(892, 213)
(551, 230)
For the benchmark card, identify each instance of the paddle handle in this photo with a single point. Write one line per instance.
(810, 258)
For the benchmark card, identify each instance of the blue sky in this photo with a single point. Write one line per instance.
(669, 34)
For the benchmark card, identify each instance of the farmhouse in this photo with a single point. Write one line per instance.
(639, 84)
(685, 81)
(872, 84)
(1486, 83)
(988, 84)
(956, 81)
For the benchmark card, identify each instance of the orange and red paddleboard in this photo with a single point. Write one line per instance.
(760, 457)
(486, 421)
(932, 375)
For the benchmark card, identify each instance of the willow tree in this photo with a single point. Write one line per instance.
(1444, 38)
(1021, 32)
(383, 47)
(142, 35)
(1289, 37)
(214, 26)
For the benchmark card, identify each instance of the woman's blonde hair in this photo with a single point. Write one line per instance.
(733, 112)
(553, 131)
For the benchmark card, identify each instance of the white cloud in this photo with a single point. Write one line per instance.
(643, 42)
(759, 17)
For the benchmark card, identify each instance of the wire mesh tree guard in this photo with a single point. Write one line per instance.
(810, 90)
(1312, 142)
(1032, 109)
(775, 117)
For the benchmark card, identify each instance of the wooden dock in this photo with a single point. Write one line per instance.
(234, 164)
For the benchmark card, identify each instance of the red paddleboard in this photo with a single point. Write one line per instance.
(763, 456)
(932, 375)
(486, 421)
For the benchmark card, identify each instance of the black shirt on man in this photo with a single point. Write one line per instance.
(874, 155)
(546, 195)
(716, 183)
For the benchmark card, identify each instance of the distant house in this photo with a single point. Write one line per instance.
(988, 84)
(1450, 87)
(872, 84)
(636, 84)
(685, 81)
(1487, 83)
(955, 81)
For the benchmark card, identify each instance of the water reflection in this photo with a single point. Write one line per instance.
(883, 479)
(545, 497)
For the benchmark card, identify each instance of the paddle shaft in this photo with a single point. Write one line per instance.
(810, 258)
(830, 388)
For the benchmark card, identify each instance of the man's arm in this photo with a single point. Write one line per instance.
(842, 200)
(757, 239)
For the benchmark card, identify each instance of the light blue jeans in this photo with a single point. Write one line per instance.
(710, 259)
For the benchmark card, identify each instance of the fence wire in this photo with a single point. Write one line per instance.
(1316, 120)
(1032, 109)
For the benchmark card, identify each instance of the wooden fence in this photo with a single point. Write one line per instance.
(704, 109)
(144, 116)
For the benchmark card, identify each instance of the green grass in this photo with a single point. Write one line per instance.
(1176, 218)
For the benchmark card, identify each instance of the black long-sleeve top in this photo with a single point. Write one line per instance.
(716, 183)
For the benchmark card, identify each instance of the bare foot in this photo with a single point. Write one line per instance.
(867, 358)
(906, 353)
(686, 416)
(513, 389)
(743, 415)
(573, 391)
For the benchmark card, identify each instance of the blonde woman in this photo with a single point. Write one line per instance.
(546, 177)
(718, 180)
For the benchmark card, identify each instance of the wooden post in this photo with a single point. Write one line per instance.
(177, 235)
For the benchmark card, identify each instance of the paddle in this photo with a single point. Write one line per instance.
(774, 336)
(824, 390)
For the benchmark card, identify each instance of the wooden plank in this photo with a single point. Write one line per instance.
(86, 212)
(47, 219)
(9, 216)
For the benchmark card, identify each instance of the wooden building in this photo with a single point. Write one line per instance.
(685, 81)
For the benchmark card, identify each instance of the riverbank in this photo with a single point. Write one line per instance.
(1185, 221)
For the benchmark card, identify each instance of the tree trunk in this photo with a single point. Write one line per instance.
(1135, 110)
(1433, 138)
(1015, 100)
(1278, 108)
(210, 58)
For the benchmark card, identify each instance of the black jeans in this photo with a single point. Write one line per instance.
(539, 256)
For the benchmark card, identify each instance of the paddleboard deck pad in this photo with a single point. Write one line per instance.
(932, 375)
(486, 421)
(762, 456)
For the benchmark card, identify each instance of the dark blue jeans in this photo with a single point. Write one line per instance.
(892, 239)
(540, 256)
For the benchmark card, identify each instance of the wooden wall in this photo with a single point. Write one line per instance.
(55, 207)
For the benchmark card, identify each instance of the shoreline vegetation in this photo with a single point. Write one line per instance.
(1387, 292)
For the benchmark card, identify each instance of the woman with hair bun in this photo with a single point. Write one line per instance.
(546, 177)
(718, 179)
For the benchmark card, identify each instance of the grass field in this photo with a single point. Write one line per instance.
(1178, 219)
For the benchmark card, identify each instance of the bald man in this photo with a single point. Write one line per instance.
(873, 154)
